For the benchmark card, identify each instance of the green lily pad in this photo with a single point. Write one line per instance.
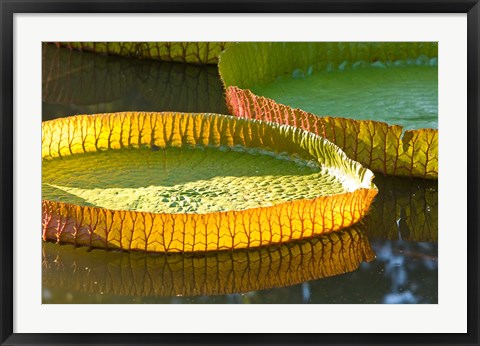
(377, 101)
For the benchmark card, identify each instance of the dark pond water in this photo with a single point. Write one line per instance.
(392, 257)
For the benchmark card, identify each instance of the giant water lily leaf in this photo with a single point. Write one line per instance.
(346, 92)
(74, 82)
(189, 52)
(380, 147)
(212, 273)
(193, 182)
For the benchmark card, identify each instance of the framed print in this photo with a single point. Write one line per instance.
(240, 172)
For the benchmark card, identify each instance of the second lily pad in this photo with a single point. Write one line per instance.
(375, 100)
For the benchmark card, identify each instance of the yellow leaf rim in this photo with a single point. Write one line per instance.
(182, 232)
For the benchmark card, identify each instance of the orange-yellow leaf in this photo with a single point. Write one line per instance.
(75, 150)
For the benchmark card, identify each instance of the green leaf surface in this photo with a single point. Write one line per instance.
(398, 95)
(176, 180)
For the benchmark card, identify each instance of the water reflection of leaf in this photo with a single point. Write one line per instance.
(75, 82)
(186, 52)
(404, 209)
(213, 273)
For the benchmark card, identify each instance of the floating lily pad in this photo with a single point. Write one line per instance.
(389, 88)
(213, 273)
(193, 182)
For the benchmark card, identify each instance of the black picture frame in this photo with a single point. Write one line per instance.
(10, 7)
